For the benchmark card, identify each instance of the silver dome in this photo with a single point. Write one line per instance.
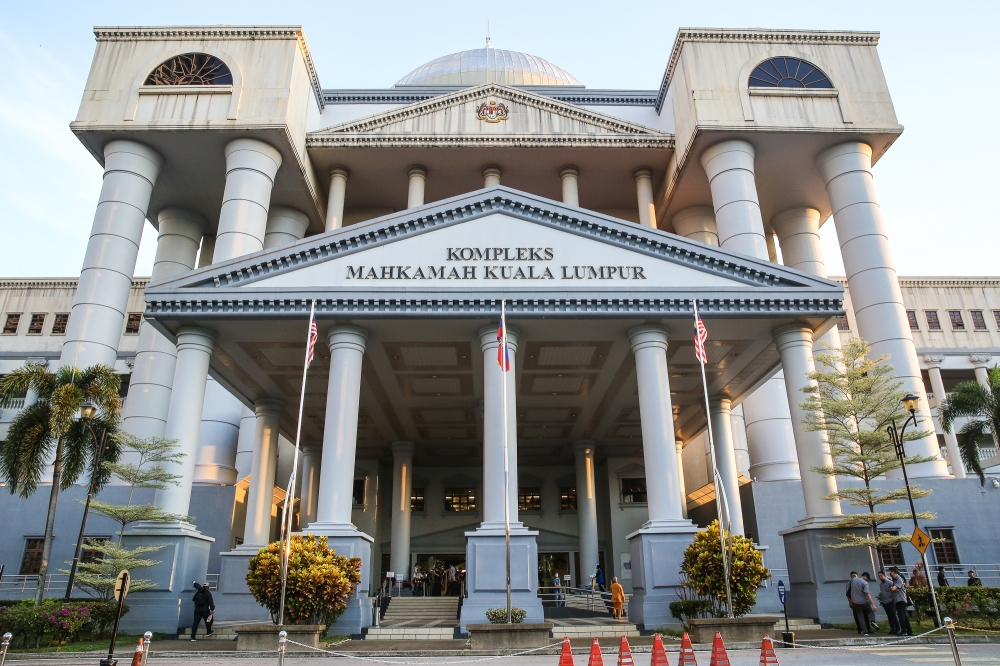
(489, 65)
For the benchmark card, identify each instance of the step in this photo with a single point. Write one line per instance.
(596, 631)
(410, 633)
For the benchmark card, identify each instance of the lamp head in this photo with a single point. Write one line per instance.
(910, 402)
(88, 410)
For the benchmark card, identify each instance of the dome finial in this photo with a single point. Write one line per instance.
(488, 44)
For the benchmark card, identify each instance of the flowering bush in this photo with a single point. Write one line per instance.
(62, 620)
(499, 615)
(706, 578)
(68, 620)
(970, 606)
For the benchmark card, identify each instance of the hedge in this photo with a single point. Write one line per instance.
(965, 605)
(63, 620)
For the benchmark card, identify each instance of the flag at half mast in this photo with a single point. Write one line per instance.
(700, 335)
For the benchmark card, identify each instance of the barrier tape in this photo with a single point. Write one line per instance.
(859, 647)
(420, 663)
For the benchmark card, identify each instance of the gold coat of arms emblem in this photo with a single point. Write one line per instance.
(492, 111)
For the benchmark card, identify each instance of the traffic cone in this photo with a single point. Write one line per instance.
(625, 654)
(719, 655)
(659, 654)
(767, 655)
(687, 652)
(137, 656)
(596, 659)
(566, 656)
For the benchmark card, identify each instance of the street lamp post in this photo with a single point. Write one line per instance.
(910, 403)
(87, 412)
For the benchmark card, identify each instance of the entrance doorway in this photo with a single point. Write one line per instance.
(436, 568)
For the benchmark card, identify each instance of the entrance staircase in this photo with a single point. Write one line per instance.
(417, 618)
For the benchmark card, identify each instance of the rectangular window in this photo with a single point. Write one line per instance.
(944, 550)
(359, 492)
(417, 499)
(36, 324)
(567, 498)
(91, 555)
(10, 325)
(133, 323)
(911, 316)
(933, 323)
(459, 499)
(996, 318)
(529, 499)
(60, 323)
(633, 491)
(843, 324)
(31, 563)
(892, 556)
(956, 320)
(978, 320)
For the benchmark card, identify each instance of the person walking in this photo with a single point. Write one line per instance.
(599, 579)
(204, 608)
(901, 601)
(868, 579)
(885, 591)
(973, 580)
(557, 589)
(942, 578)
(617, 597)
(860, 600)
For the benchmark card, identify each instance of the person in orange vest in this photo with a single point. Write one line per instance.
(617, 597)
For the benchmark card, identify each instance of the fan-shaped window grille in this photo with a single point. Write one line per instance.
(191, 69)
(788, 73)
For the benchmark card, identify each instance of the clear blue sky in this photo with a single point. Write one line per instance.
(940, 59)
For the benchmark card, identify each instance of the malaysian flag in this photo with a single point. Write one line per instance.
(503, 355)
(700, 335)
(313, 337)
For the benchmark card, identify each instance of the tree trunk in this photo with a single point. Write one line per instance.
(50, 520)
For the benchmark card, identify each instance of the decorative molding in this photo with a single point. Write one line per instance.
(365, 140)
(979, 360)
(567, 94)
(55, 283)
(934, 281)
(933, 360)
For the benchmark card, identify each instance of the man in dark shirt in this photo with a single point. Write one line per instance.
(901, 601)
(942, 578)
(973, 581)
(204, 608)
(885, 589)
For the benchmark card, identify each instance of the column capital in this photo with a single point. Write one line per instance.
(181, 222)
(642, 173)
(488, 337)
(648, 335)
(340, 337)
(340, 171)
(311, 448)
(402, 449)
(980, 360)
(569, 170)
(252, 154)
(492, 171)
(584, 446)
(933, 360)
(791, 335)
(195, 337)
(721, 402)
(795, 220)
(416, 170)
(844, 158)
(268, 407)
(726, 155)
(679, 445)
(133, 157)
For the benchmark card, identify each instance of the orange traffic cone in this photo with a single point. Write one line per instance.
(659, 654)
(137, 656)
(767, 655)
(566, 656)
(596, 659)
(625, 654)
(687, 652)
(719, 655)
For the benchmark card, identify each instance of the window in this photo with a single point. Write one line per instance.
(529, 499)
(459, 499)
(978, 320)
(191, 69)
(358, 496)
(134, 322)
(892, 556)
(91, 555)
(60, 323)
(31, 563)
(944, 550)
(911, 316)
(10, 325)
(634, 491)
(996, 318)
(956, 320)
(35, 326)
(417, 499)
(933, 323)
(567, 498)
(787, 73)
(843, 324)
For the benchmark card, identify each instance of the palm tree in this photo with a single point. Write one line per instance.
(982, 406)
(49, 429)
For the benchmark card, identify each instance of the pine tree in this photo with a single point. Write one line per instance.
(97, 578)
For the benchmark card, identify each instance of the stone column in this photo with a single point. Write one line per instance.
(769, 432)
(725, 459)
(679, 445)
(491, 176)
(260, 496)
(950, 439)
(218, 437)
(493, 515)
(250, 169)
(871, 278)
(697, 223)
(284, 226)
(570, 177)
(145, 412)
(335, 202)
(729, 166)
(402, 487)
(311, 466)
(644, 193)
(417, 181)
(207, 254)
(981, 363)
(98, 314)
(586, 506)
(244, 445)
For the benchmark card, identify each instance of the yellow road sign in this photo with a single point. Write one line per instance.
(121, 584)
(920, 540)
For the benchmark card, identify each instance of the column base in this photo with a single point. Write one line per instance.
(347, 540)
(818, 574)
(233, 594)
(486, 579)
(167, 608)
(657, 552)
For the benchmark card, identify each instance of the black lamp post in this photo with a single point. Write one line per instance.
(910, 402)
(87, 413)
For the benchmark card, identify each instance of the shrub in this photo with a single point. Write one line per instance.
(67, 620)
(706, 578)
(102, 616)
(26, 621)
(970, 606)
(499, 615)
(319, 581)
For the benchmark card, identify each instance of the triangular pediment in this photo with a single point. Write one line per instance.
(490, 110)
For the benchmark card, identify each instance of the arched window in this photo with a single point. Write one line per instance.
(191, 69)
(788, 73)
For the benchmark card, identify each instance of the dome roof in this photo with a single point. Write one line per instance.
(489, 65)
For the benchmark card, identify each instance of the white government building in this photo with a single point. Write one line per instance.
(407, 214)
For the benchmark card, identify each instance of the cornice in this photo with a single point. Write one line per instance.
(409, 95)
(939, 281)
(367, 140)
(55, 283)
(849, 37)
(198, 32)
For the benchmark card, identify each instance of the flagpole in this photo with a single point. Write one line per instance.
(506, 472)
(285, 534)
(720, 502)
